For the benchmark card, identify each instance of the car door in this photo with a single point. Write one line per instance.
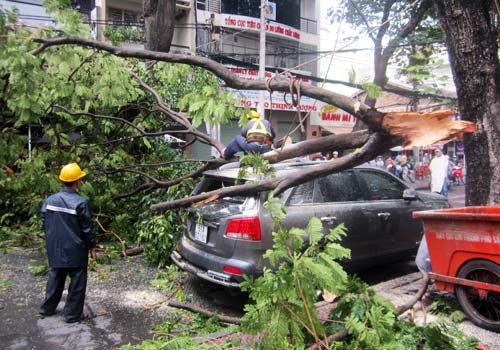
(388, 214)
(338, 200)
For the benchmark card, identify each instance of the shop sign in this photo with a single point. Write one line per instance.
(253, 24)
(270, 10)
(332, 116)
(279, 100)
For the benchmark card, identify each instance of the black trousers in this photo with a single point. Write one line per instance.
(73, 309)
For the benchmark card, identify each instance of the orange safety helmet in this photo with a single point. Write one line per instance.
(71, 172)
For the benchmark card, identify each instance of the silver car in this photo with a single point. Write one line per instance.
(226, 239)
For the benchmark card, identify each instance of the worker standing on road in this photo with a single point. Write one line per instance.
(69, 236)
(439, 173)
(256, 137)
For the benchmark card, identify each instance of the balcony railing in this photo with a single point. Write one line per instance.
(308, 25)
(208, 5)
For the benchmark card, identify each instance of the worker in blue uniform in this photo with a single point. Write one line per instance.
(69, 236)
(256, 137)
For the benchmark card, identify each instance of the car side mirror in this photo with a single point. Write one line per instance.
(409, 194)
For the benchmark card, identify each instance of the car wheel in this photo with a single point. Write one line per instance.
(483, 309)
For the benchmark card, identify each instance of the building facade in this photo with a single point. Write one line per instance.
(228, 31)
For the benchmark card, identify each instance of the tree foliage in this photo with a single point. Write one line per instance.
(79, 104)
(391, 25)
(284, 297)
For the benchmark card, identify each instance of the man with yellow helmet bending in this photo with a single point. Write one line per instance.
(69, 235)
(256, 137)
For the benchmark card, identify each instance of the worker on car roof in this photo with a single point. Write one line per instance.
(256, 137)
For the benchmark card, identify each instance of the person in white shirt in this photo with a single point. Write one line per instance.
(439, 173)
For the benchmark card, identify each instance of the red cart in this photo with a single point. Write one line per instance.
(464, 251)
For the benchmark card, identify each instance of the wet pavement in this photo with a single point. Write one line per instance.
(115, 305)
(121, 303)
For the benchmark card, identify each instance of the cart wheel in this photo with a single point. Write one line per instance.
(482, 309)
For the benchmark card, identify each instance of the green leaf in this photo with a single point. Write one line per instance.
(315, 230)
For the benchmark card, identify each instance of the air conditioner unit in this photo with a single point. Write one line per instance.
(183, 4)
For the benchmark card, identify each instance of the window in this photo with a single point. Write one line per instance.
(121, 16)
(201, 4)
(341, 187)
(381, 186)
(250, 8)
(302, 194)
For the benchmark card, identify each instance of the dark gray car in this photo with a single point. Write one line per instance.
(225, 239)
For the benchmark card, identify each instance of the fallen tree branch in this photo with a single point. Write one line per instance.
(331, 338)
(206, 313)
(122, 242)
(376, 143)
(399, 310)
(165, 184)
(370, 116)
(132, 251)
(323, 144)
(421, 292)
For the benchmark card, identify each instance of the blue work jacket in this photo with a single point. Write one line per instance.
(69, 233)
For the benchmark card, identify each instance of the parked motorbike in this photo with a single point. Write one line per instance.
(458, 175)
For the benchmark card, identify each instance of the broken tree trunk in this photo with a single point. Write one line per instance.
(425, 128)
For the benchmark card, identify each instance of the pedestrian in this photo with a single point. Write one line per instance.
(335, 155)
(407, 173)
(256, 137)
(439, 173)
(69, 237)
(379, 162)
(390, 167)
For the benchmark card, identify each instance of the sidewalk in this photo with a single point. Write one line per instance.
(456, 194)
(421, 184)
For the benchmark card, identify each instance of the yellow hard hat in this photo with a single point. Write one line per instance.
(71, 172)
(253, 114)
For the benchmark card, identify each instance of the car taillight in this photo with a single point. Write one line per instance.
(232, 270)
(244, 228)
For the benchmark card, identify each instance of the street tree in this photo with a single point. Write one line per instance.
(471, 38)
(159, 19)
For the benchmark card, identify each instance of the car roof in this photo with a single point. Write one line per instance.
(231, 170)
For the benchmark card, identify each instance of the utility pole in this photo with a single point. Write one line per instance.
(262, 54)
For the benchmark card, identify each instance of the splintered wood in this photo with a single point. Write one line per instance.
(425, 128)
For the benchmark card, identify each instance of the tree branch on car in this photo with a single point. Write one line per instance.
(380, 136)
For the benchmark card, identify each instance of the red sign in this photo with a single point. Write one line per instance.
(243, 22)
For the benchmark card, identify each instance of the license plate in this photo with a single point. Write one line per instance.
(200, 233)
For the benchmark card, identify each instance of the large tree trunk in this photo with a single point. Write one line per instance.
(159, 18)
(472, 49)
